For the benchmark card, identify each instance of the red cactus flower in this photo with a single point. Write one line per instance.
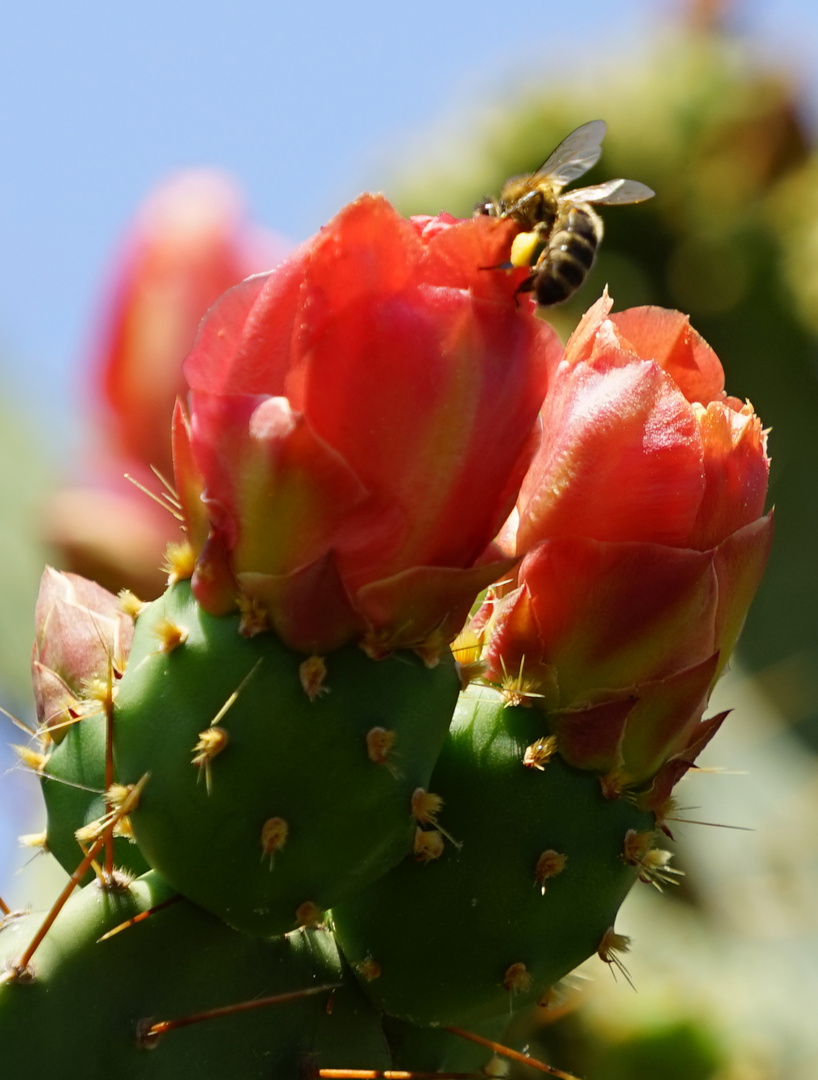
(361, 419)
(189, 242)
(643, 538)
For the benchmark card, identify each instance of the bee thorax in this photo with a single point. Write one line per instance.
(559, 231)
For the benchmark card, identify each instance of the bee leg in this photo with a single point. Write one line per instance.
(527, 285)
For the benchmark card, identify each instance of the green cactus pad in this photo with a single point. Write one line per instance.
(475, 933)
(73, 780)
(307, 798)
(82, 1012)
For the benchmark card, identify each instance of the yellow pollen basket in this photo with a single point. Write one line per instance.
(525, 249)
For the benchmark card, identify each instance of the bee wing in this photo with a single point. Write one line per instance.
(612, 193)
(576, 154)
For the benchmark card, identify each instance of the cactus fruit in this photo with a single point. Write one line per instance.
(103, 996)
(271, 796)
(524, 891)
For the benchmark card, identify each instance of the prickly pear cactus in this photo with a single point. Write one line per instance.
(523, 885)
(278, 784)
(364, 854)
(118, 994)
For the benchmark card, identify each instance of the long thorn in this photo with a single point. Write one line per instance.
(47, 728)
(162, 500)
(170, 490)
(109, 766)
(17, 723)
(233, 698)
(98, 871)
(148, 1033)
(711, 824)
(392, 1074)
(70, 783)
(514, 1055)
(140, 917)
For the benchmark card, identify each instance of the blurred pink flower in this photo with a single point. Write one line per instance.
(189, 242)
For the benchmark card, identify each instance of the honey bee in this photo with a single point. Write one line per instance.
(560, 233)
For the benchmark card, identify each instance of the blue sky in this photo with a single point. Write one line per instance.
(306, 105)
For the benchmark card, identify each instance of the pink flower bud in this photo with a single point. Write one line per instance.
(642, 534)
(82, 635)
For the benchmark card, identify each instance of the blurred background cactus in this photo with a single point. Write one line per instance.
(724, 139)
(729, 239)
